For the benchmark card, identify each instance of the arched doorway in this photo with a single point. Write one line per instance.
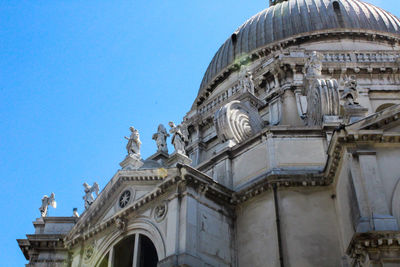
(136, 250)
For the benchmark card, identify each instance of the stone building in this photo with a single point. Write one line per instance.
(289, 156)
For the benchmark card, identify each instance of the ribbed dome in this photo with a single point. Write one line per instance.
(295, 18)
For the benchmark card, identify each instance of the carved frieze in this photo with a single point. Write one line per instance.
(160, 211)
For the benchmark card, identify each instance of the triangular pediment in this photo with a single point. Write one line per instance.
(386, 120)
(124, 189)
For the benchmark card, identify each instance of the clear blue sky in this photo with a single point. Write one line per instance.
(74, 75)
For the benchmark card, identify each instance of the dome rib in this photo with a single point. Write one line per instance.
(297, 18)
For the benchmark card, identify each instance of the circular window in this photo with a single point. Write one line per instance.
(124, 198)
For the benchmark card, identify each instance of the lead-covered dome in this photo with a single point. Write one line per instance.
(294, 19)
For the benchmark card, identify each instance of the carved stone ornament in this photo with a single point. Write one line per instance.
(160, 211)
(350, 94)
(89, 190)
(235, 123)
(134, 143)
(246, 82)
(46, 202)
(120, 224)
(124, 199)
(322, 101)
(313, 66)
(179, 137)
(88, 252)
(161, 139)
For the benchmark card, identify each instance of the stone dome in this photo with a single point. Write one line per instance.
(295, 19)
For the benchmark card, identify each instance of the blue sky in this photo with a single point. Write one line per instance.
(74, 75)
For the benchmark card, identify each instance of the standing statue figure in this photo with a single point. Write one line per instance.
(133, 146)
(313, 65)
(88, 197)
(47, 201)
(161, 139)
(350, 94)
(246, 82)
(179, 137)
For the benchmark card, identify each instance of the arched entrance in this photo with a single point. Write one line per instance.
(135, 250)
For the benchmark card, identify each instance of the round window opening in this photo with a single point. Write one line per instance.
(124, 198)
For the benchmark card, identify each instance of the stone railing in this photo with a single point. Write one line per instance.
(360, 57)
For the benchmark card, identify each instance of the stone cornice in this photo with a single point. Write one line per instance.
(361, 243)
(184, 173)
(156, 175)
(37, 242)
(286, 43)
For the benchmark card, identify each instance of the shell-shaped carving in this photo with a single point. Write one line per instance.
(322, 99)
(239, 122)
(236, 122)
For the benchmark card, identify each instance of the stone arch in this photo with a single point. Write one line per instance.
(141, 226)
(384, 106)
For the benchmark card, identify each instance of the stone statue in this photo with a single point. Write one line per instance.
(179, 137)
(47, 201)
(313, 65)
(161, 139)
(246, 82)
(88, 197)
(75, 212)
(133, 146)
(350, 94)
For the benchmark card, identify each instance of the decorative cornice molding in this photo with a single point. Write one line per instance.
(286, 43)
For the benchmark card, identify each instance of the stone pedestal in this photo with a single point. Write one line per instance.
(354, 113)
(175, 158)
(131, 163)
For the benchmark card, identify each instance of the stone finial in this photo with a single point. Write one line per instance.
(134, 143)
(313, 66)
(89, 190)
(47, 201)
(179, 137)
(161, 139)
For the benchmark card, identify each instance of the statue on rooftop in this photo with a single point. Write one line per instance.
(133, 146)
(47, 201)
(246, 82)
(313, 66)
(75, 212)
(350, 94)
(89, 190)
(179, 137)
(161, 139)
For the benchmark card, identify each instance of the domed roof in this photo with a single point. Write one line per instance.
(297, 18)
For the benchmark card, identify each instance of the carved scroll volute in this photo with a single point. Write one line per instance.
(235, 122)
(322, 100)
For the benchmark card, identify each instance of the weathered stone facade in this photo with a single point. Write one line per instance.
(292, 157)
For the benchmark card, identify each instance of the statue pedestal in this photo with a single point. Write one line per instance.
(175, 158)
(131, 163)
(354, 113)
